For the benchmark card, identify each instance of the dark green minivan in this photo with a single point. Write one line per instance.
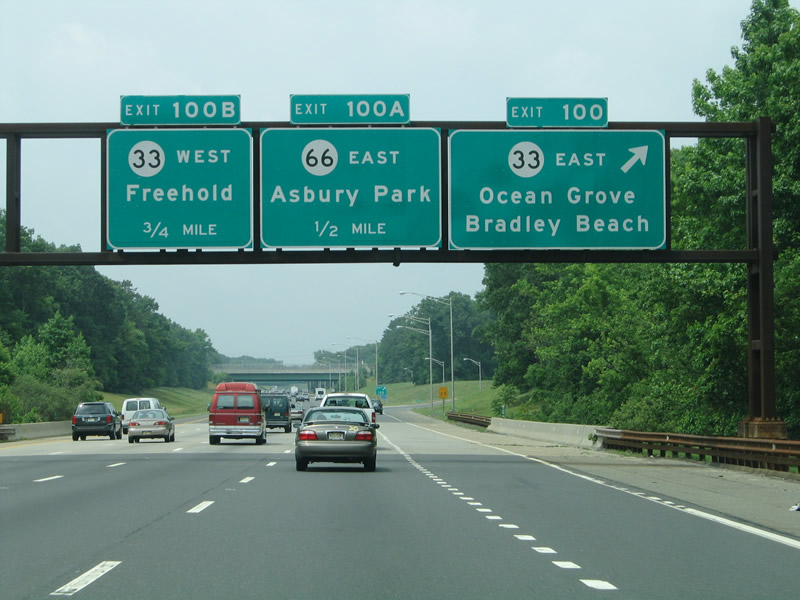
(277, 409)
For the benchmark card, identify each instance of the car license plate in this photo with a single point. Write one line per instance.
(244, 419)
(336, 435)
(91, 420)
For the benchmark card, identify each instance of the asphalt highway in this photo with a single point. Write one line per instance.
(450, 513)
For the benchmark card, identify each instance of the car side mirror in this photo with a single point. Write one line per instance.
(376, 425)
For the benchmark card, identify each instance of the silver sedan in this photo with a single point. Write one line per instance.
(336, 434)
(151, 424)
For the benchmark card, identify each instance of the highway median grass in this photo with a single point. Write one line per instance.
(180, 402)
(471, 397)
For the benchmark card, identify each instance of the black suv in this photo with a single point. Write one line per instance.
(96, 418)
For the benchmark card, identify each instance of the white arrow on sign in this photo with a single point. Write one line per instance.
(639, 153)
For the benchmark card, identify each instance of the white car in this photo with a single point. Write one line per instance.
(355, 399)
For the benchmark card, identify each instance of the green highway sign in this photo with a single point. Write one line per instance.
(557, 189)
(557, 112)
(180, 110)
(350, 188)
(349, 109)
(179, 188)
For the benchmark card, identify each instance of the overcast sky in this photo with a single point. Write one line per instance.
(458, 60)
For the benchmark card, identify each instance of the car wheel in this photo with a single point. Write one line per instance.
(130, 440)
(301, 464)
(125, 430)
(166, 439)
(83, 438)
(74, 437)
(369, 464)
(136, 440)
(119, 434)
(112, 435)
(287, 429)
(172, 437)
(213, 439)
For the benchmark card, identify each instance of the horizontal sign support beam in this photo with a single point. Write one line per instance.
(672, 129)
(396, 257)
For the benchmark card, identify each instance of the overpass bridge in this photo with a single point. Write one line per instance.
(305, 378)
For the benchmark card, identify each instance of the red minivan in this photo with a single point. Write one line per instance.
(236, 412)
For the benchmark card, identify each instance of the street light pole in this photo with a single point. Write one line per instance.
(376, 354)
(452, 366)
(480, 384)
(438, 362)
(430, 346)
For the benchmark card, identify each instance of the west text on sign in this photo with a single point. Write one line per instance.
(179, 188)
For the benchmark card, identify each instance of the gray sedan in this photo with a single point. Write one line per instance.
(336, 434)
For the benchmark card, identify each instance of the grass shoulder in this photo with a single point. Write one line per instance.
(180, 402)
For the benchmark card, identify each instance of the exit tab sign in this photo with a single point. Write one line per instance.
(557, 112)
(349, 109)
(180, 110)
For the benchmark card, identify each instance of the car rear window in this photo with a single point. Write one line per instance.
(245, 402)
(225, 401)
(137, 404)
(336, 415)
(91, 409)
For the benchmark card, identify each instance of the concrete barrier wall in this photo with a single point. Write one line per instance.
(556, 433)
(31, 431)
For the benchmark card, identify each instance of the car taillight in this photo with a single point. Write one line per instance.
(108, 419)
(307, 435)
(74, 419)
(161, 422)
(373, 416)
(133, 424)
(364, 436)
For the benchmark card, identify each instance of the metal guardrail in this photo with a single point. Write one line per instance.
(471, 419)
(6, 431)
(759, 453)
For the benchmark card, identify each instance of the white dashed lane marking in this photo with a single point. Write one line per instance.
(87, 578)
(43, 479)
(200, 507)
(597, 584)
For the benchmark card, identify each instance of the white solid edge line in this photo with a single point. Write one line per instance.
(200, 507)
(82, 581)
(781, 539)
(746, 528)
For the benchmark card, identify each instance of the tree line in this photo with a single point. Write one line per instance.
(68, 332)
(653, 347)
(663, 347)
